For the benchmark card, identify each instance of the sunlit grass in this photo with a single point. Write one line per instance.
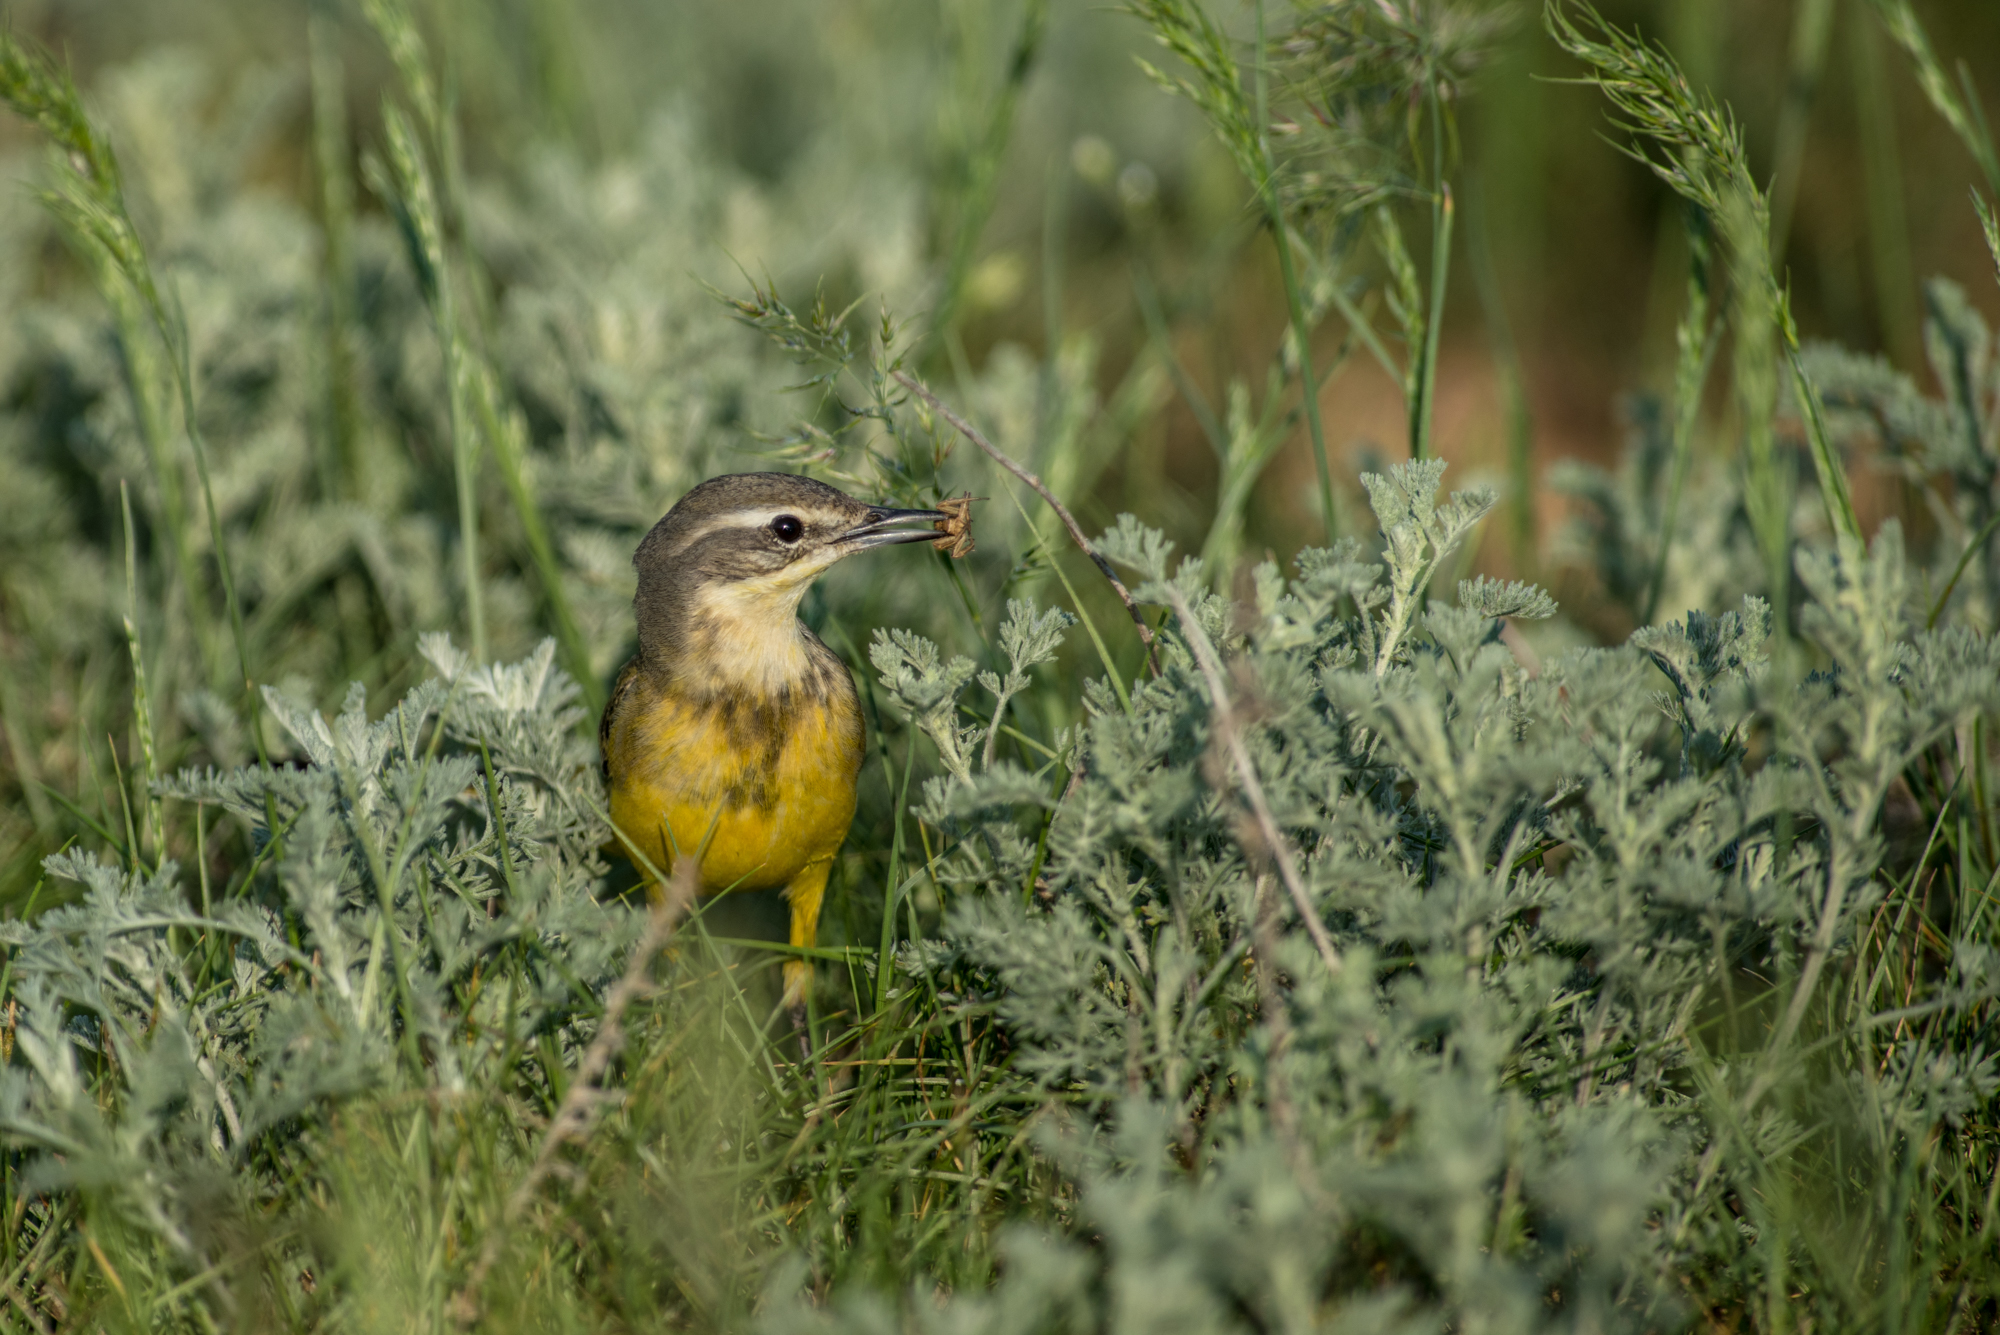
(1309, 953)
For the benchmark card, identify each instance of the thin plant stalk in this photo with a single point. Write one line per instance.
(341, 465)
(981, 177)
(464, 451)
(1956, 102)
(1696, 339)
(142, 384)
(1421, 443)
(584, 1098)
(1295, 304)
(1442, 212)
(23, 758)
(1363, 328)
(1891, 272)
(1812, 26)
(1972, 549)
(1275, 1013)
(893, 889)
(1160, 335)
(1243, 457)
(478, 415)
(152, 827)
(993, 452)
(409, 187)
(1104, 658)
(91, 204)
(1513, 386)
(1055, 238)
(506, 431)
(1697, 149)
(1308, 383)
(1827, 467)
(184, 375)
(1276, 846)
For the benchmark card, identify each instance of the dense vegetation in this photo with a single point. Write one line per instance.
(1349, 940)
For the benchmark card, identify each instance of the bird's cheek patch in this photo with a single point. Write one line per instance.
(775, 592)
(810, 566)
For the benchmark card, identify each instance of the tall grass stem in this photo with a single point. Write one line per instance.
(1696, 338)
(1812, 28)
(1891, 272)
(980, 172)
(1295, 304)
(331, 150)
(506, 432)
(153, 828)
(1442, 212)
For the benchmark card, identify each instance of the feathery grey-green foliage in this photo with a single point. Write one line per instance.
(1331, 960)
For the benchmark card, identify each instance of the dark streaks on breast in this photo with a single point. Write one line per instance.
(756, 731)
(755, 726)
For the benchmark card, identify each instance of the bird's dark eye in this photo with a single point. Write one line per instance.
(787, 528)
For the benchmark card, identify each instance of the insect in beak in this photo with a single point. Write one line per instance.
(885, 527)
(956, 526)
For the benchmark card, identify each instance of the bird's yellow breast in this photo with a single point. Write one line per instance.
(760, 780)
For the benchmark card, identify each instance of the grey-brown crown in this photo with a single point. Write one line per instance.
(707, 508)
(745, 526)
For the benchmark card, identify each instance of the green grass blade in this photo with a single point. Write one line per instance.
(153, 827)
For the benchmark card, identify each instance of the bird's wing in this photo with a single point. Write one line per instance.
(628, 677)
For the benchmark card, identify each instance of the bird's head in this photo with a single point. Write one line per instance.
(735, 555)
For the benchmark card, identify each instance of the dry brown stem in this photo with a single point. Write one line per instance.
(1277, 1025)
(973, 434)
(578, 1114)
(1276, 846)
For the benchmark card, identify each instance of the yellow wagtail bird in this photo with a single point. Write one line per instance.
(735, 735)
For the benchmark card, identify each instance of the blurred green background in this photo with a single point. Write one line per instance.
(867, 109)
(1003, 162)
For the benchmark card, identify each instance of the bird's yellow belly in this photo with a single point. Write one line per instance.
(760, 795)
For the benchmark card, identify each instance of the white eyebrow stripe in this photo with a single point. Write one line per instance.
(751, 519)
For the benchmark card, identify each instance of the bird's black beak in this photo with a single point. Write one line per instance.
(885, 528)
